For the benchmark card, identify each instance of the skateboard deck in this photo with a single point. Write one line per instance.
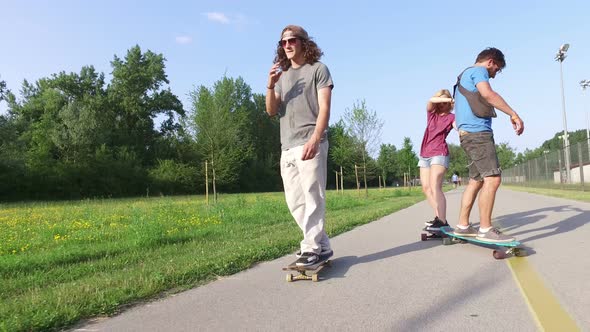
(310, 272)
(501, 250)
(431, 234)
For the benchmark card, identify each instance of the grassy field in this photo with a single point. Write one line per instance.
(61, 262)
(577, 195)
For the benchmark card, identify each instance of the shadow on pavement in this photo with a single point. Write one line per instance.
(515, 221)
(341, 265)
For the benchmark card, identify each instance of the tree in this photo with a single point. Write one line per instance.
(458, 161)
(137, 96)
(261, 171)
(77, 137)
(341, 144)
(11, 162)
(553, 144)
(81, 124)
(365, 128)
(387, 161)
(220, 123)
(506, 155)
(407, 159)
(2, 90)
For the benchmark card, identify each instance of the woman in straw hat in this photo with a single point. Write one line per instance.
(434, 155)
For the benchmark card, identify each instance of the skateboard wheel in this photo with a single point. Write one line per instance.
(499, 254)
(289, 277)
(314, 278)
(446, 241)
(519, 252)
(424, 237)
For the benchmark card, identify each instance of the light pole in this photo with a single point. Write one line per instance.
(584, 84)
(560, 56)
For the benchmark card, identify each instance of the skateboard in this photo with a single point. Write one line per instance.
(501, 250)
(310, 272)
(429, 235)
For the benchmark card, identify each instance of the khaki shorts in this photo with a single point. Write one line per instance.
(481, 154)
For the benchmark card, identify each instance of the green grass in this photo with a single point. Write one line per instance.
(568, 193)
(62, 262)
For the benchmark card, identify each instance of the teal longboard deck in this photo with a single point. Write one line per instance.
(501, 249)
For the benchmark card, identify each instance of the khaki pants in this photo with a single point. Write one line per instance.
(305, 192)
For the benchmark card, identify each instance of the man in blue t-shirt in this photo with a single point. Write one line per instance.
(475, 102)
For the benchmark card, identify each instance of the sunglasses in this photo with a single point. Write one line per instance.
(499, 68)
(290, 41)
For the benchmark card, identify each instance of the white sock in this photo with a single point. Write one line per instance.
(484, 230)
(462, 227)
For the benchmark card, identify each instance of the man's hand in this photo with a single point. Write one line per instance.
(310, 149)
(517, 124)
(273, 75)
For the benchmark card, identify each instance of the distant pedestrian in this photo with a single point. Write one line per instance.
(455, 180)
(434, 155)
(299, 91)
(475, 102)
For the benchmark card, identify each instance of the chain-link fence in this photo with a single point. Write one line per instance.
(551, 170)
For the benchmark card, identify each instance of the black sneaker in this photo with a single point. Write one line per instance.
(307, 259)
(325, 253)
(429, 223)
(436, 225)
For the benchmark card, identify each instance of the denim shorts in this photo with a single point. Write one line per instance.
(436, 160)
(481, 154)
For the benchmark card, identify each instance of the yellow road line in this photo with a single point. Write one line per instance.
(546, 310)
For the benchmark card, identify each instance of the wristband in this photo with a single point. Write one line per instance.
(268, 87)
(514, 117)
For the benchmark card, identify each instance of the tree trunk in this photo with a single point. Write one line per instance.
(341, 180)
(206, 183)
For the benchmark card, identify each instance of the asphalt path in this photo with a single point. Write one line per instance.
(384, 278)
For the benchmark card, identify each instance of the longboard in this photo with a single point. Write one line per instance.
(501, 250)
(430, 234)
(303, 271)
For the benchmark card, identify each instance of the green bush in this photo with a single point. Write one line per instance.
(171, 177)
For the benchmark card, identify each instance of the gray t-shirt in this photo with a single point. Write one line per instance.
(299, 109)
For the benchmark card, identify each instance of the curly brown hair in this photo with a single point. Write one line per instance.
(311, 52)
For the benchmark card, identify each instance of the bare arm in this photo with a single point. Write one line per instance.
(439, 97)
(310, 148)
(430, 107)
(494, 99)
(273, 100)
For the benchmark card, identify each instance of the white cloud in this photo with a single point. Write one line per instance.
(184, 40)
(218, 17)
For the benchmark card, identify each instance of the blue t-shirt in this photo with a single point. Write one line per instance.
(464, 117)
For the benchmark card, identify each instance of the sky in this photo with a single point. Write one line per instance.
(393, 55)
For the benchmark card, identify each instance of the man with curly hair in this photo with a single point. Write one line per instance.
(299, 91)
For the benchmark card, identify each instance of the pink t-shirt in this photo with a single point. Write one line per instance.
(438, 127)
